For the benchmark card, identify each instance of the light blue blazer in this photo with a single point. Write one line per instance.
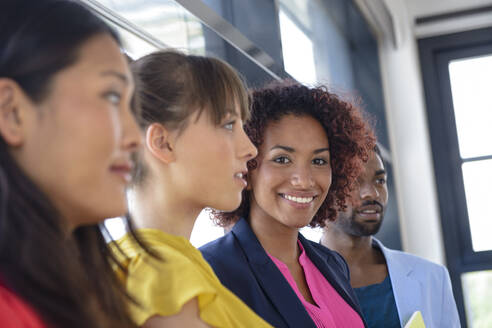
(419, 284)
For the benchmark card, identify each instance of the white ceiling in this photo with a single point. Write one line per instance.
(420, 8)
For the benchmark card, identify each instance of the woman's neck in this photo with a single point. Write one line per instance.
(152, 207)
(277, 239)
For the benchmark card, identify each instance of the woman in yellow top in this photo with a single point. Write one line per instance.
(195, 156)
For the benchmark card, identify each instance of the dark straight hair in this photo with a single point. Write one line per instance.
(68, 281)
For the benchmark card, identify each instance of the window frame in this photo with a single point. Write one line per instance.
(435, 55)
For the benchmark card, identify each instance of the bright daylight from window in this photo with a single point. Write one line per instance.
(203, 232)
(477, 176)
(297, 51)
(471, 79)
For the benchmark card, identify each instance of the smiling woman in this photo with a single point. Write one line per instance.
(293, 174)
(66, 138)
(311, 145)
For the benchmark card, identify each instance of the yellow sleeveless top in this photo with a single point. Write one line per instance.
(162, 287)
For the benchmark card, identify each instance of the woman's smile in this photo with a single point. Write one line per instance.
(294, 172)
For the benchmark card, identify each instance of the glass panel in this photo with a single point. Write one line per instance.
(477, 176)
(134, 46)
(175, 27)
(297, 50)
(477, 290)
(315, 49)
(470, 86)
(165, 20)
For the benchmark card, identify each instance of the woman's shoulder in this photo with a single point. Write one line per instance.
(173, 255)
(220, 246)
(155, 248)
(163, 281)
(15, 313)
(234, 245)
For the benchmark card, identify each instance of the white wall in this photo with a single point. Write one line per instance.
(409, 138)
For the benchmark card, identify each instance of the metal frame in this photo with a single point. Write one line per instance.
(233, 36)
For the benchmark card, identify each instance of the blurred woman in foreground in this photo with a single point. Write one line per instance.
(66, 139)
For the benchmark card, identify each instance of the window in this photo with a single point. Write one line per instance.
(477, 294)
(457, 71)
(471, 79)
(166, 22)
(297, 50)
(477, 176)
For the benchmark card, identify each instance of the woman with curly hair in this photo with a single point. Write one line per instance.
(311, 145)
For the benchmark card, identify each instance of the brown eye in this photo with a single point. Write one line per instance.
(281, 160)
(319, 161)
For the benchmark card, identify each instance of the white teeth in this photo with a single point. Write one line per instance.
(302, 200)
(239, 175)
(369, 212)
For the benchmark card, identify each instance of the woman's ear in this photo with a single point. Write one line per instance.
(11, 113)
(158, 141)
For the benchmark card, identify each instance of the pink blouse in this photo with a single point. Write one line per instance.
(330, 310)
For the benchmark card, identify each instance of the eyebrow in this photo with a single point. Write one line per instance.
(292, 150)
(116, 74)
(287, 149)
(380, 172)
(317, 151)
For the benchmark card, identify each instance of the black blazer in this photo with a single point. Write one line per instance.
(244, 267)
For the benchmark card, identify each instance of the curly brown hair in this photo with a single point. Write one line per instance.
(350, 137)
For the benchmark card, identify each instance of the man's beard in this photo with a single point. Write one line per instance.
(352, 227)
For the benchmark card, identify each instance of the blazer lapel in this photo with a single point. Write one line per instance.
(271, 280)
(407, 291)
(325, 265)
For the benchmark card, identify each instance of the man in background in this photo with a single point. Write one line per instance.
(391, 285)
